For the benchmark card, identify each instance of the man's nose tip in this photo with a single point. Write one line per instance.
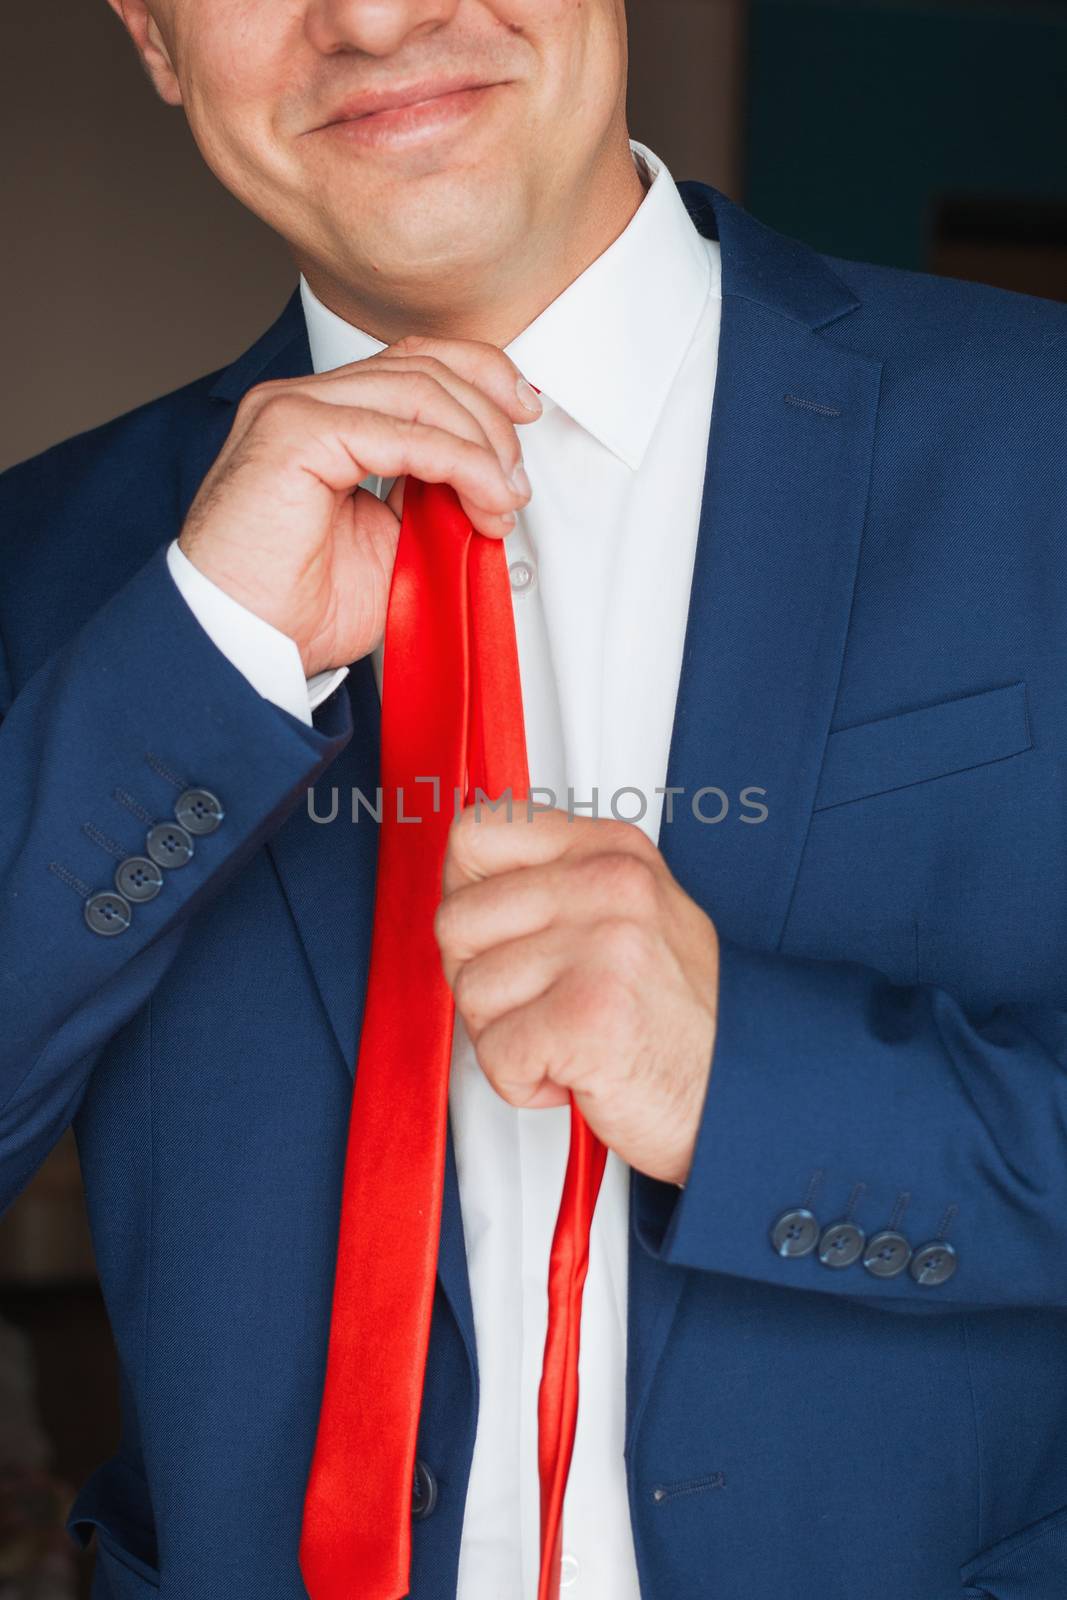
(372, 27)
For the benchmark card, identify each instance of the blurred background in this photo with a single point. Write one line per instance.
(927, 134)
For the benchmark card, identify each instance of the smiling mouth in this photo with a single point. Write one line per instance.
(402, 121)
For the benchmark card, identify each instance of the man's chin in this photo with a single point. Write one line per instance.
(425, 225)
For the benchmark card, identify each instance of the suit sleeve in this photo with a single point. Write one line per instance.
(97, 747)
(883, 1109)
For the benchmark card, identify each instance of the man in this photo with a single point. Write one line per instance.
(807, 984)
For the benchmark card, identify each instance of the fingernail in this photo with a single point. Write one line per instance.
(508, 518)
(528, 395)
(519, 481)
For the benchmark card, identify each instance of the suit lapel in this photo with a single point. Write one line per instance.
(784, 501)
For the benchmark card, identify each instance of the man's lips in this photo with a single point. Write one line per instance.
(386, 104)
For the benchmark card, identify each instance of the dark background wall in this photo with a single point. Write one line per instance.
(929, 134)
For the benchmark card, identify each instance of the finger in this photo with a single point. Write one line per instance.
(399, 384)
(576, 889)
(413, 395)
(341, 446)
(483, 365)
(483, 842)
(529, 1057)
(500, 428)
(510, 975)
(513, 1053)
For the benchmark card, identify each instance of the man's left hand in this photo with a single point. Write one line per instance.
(580, 966)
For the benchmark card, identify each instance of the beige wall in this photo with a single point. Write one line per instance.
(686, 85)
(128, 269)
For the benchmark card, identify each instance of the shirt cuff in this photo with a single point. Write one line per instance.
(268, 658)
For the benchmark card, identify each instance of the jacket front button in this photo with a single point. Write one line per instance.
(796, 1233)
(423, 1492)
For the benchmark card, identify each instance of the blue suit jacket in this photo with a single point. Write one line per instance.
(877, 638)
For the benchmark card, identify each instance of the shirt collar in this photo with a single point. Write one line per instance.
(608, 348)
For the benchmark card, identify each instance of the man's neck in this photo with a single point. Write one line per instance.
(499, 304)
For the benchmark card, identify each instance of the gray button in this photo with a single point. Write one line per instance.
(107, 913)
(523, 575)
(841, 1244)
(887, 1254)
(169, 845)
(138, 878)
(199, 811)
(933, 1263)
(423, 1492)
(796, 1233)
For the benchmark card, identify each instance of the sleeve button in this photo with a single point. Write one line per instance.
(933, 1263)
(199, 811)
(841, 1244)
(107, 913)
(138, 878)
(796, 1233)
(169, 845)
(887, 1254)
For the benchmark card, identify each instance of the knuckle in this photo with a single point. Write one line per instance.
(489, 1057)
(444, 921)
(424, 387)
(255, 398)
(465, 987)
(427, 364)
(627, 880)
(462, 835)
(619, 834)
(277, 407)
(593, 1004)
(409, 344)
(492, 354)
(624, 944)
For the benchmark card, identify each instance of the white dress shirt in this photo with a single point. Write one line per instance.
(601, 564)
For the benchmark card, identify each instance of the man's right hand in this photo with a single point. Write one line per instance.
(280, 523)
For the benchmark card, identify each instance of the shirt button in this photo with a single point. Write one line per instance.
(523, 575)
(569, 1570)
(423, 1492)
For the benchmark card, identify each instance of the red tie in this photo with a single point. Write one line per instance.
(451, 717)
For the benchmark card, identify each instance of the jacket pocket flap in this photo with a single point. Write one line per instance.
(114, 1503)
(1028, 1565)
(124, 1577)
(913, 746)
